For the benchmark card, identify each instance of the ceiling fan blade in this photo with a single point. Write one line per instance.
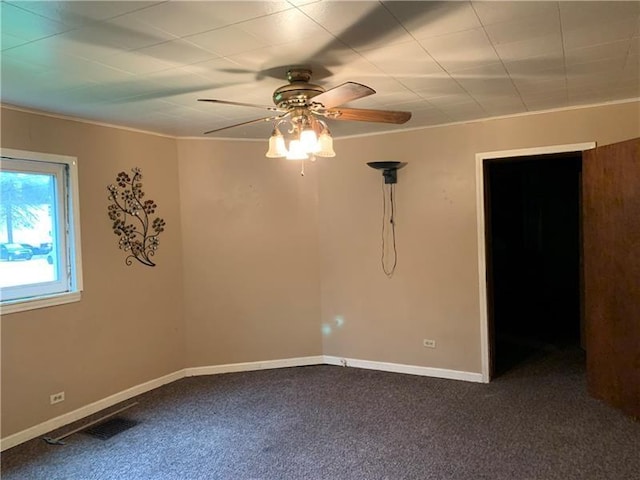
(250, 122)
(342, 94)
(226, 102)
(365, 115)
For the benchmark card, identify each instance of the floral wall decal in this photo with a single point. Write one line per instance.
(131, 218)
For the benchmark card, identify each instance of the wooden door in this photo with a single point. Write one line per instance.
(611, 256)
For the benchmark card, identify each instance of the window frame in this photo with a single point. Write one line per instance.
(68, 225)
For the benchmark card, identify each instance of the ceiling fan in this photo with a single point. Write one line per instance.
(300, 99)
(304, 106)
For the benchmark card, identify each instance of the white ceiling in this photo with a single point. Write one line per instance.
(144, 64)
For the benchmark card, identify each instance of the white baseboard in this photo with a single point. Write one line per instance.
(408, 369)
(82, 412)
(251, 366)
(70, 417)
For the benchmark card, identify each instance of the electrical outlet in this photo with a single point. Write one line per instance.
(429, 343)
(56, 398)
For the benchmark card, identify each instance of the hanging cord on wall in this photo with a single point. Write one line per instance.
(388, 229)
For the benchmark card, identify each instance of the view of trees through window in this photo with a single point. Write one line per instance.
(40, 259)
(27, 228)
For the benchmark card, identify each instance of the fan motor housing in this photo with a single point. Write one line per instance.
(298, 92)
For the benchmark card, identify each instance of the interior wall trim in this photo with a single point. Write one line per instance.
(481, 234)
(359, 135)
(83, 412)
(402, 368)
(252, 366)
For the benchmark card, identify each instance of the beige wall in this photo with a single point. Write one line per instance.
(257, 260)
(250, 241)
(434, 293)
(128, 327)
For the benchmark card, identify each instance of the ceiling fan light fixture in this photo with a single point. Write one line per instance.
(300, 105)
(296, 151)
(277, 147)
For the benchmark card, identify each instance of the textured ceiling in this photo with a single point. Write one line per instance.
(144, 64)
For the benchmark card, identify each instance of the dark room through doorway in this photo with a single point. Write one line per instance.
(533, 234)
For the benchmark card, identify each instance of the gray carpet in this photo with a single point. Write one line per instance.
(325, 422)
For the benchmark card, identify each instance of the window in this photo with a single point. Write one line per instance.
(39, 231)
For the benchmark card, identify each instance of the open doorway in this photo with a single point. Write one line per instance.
(533, 238)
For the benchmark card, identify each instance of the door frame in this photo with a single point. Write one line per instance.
(481, 233)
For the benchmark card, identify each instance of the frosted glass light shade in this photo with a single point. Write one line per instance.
(309, 141)
(277, 148)
(325, 144)
(296, 151)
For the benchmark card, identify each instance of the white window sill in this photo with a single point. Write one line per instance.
(14, 306)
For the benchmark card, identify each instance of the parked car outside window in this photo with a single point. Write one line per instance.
(15, 251)
(42, 249)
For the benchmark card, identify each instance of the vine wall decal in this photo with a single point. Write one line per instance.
(131, 218)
